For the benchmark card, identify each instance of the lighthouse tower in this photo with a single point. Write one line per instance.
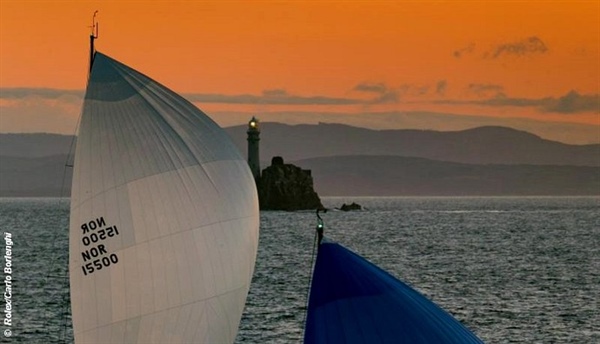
(253, 156)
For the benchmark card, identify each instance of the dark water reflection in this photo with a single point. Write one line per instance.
(514, 270)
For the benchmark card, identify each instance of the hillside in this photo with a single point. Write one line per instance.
(393, 175)
(34, 145)
(483, 145)
(33, 176)
(354, 161)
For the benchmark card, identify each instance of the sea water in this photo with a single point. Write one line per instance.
(513, 270)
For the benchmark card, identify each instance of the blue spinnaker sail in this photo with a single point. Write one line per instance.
(354, 301)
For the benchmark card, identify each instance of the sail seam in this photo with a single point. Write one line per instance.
(169, 308)
(131, 79)
(136, 179)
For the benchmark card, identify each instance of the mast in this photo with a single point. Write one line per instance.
(93, 36)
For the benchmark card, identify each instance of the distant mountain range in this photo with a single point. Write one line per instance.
(34, 145)
(364, 175)
(354, 161)
(483, 145)
(31, 177)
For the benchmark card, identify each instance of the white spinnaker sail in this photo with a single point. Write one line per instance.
(164, 217)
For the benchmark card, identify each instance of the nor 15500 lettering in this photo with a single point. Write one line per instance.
(97, 257)
(95, 231)
(100, 263)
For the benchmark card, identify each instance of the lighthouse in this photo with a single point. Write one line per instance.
(253, 156)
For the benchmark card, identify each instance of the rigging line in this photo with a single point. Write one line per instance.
(68, 164)
(310, 270)
(318, 237)
(70, 155)
(66, 299)
(58, 250)
(57, 257)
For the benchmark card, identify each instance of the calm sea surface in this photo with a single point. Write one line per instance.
(514, 270)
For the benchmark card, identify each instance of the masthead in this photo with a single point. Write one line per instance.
(93, 36)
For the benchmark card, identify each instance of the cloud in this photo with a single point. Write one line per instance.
(530, 45)
(379, 88)
(384, 93)
(37, 114)
(499, 100)
(413, 90)
(272, 96)
(275, 92)
(388, 97)
(39, 109)
(43, 93)
(420, 90)
(502, 100)
(574, 102)
(49, 110)
(570, 103)
(269, 97)
(464, 50)
(441, 86)
(485, 89)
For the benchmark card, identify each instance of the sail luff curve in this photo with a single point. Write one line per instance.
(164, 217)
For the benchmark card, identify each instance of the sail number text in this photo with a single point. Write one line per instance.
(97, 257)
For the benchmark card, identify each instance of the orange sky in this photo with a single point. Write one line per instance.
(506, 60)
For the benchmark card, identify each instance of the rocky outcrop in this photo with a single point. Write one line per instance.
(286, 187)
(350, 207)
